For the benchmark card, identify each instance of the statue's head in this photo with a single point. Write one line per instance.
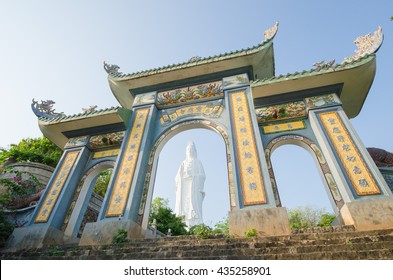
(191, 152)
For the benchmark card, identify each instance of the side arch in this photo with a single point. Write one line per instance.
(318, 156)
(82, 196)
(149, 181)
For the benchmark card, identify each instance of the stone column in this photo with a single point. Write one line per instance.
(46, 221)
(257, 208)
(368, 201)
(121, 204)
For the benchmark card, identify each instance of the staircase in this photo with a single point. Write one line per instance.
(330, 243)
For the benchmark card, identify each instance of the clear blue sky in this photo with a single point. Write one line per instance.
(55, 50)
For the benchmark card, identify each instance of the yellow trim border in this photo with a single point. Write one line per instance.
(356, 169)
(283, 127)
(246, 150)
(56, 187)
(122, 185)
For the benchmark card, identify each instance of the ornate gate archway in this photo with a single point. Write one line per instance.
(238, 95)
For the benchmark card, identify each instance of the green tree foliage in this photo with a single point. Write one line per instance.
(202, 231)
(326, 220)
(39, 150)
(102, 182)
(165, 218)
(222, 227)
(306, 217)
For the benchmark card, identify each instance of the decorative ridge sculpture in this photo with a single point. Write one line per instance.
(45, 109)
(271, 32)
(366, 44)
(112, 69)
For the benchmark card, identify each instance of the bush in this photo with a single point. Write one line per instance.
(326, 220)
(251, 233)
(165, 218)
(202, 231)
(222, 227)
(120, 236)
(306, 217)
(40, 150)
(102, 182)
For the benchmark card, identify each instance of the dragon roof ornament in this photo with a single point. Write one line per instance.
(271, 32)
(366, 44)
(45, 109)
(112, 69)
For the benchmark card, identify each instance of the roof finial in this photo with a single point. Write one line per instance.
(271, 32)
(90, 109)
(367, 44)
(321, 64)
(195, 58)
(111, 69)
(44, 109)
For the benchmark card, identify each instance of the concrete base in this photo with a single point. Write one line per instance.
(103, 232)
(36, 237)
(368, 214)
(267, 221)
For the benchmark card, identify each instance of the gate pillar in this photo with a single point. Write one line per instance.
(257, 209)
(368, 201)
(45, 225)
(121, 203)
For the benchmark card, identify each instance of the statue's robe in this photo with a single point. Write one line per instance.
(190, 180)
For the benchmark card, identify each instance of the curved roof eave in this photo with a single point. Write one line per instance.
(356, 78)
(56, 129)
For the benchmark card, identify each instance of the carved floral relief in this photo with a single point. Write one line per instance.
(190, 94)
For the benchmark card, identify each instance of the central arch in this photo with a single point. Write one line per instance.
(144, 209)
(319, 158)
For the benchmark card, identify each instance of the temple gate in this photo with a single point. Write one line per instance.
(237, 96)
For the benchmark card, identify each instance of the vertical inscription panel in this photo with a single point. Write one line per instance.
(56, 187)
(356, 169)
(247, 155)
(122, 186)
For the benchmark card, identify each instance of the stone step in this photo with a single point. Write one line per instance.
(329, 244)
(281, 252)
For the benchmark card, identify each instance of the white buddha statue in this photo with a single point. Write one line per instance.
(190, 179)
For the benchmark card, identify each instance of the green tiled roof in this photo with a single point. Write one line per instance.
(192, 62)
(312, 72)
(63, 118)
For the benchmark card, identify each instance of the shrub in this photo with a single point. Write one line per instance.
(202, 231)
(165, 218)
(251, 233)
(222, 227)
(326, 220)
(120, 236)
(40, 150)
(306, 217)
